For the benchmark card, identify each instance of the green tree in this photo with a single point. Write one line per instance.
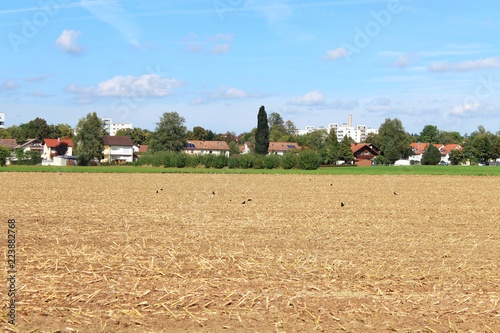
(331, 150)
(495, 149)
(4, 134)
(36, 129)
(276, 121)
(17, 132)
(262, 133)
(432, 155)
(456, 157)
(392, 132)
(138, 135)
(346, 153)
(313, 140)
(88, 140)
(170, 133)
(61, 148)
(290, 128)
(430, 133)
(4, 154)
(371, 138)
(449, 137)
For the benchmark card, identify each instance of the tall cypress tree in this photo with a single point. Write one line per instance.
(262, 134)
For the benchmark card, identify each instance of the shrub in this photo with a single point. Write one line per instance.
(258, 162)
(246, 161)
(309, 160)
(233, 162)
(220, 161)
(271, 161)
(289, 160)
(4, 154)
(181, 160)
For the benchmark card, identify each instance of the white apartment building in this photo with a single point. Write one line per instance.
(112, 127)
(2, 119)
(358, 133)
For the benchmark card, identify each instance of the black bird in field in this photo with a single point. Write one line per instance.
(213, 192)
(249, 200)
(342, 204)
(161, 189)
(244, 202)
(331, 184)
(156, 191)
(395, 193)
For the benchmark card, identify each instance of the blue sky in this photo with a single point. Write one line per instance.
(216, 62)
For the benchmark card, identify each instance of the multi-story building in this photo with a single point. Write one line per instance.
(2, 119)
(358, 133)
(112, 127)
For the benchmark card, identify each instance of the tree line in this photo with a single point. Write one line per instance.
(171, 134)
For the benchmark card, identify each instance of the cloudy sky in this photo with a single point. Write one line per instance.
(215, 62)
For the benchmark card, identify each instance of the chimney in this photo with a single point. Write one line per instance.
(349, 121)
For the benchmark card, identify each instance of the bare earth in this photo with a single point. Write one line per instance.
(162, 253)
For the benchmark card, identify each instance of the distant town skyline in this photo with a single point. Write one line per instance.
(215, 63)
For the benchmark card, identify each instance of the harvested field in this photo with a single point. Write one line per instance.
(163, 253)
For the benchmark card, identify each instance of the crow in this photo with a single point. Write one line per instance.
(213, 192)
(342, 204)
(156, 191)
(395, 193)
(249, 200)
(244, 202)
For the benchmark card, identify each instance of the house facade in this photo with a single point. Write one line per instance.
(31, 145)
(418, 149)
(49, 148)
(364, 153)
(117, 149)
(280, 148)
(277, 148)
(201, 147)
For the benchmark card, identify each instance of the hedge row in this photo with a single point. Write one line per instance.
(305, 160)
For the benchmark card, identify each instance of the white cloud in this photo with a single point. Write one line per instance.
(145, 86)
(465, 108)
(336, 54)
(67, 42)
(311, 98)
(470, 65)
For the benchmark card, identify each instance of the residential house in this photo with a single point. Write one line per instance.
(11, 144)
(446, 149)
(49, 148)
(117, 149)
(278, 148)
(31, 145)
(364, 153)
(200, 147)
(418, 149)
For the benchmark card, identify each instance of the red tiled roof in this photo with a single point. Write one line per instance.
(206, 145)
(143, 148)
(418, 147)
(282, 146)
(109, 140)
(356, 147)
(449, 147)
(51, 143)
(9, 143)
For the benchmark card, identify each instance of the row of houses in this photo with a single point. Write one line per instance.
(121, 149)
